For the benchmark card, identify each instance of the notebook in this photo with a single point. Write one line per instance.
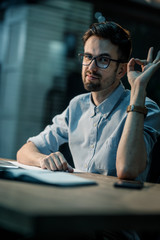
(56, 178)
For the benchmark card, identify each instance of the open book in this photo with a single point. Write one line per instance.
(35, 175)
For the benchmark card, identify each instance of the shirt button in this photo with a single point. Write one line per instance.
(92, 146)
(95, 124)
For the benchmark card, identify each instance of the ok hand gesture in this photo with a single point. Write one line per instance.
(141, 78)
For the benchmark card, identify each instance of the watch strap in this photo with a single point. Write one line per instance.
(133, 108)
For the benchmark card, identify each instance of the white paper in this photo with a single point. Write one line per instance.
(25, 166)
(7, 164)
(17, 164)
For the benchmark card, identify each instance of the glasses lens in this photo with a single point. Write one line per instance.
(86, 59)
(102, 61)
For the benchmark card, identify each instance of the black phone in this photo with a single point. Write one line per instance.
(129, 184)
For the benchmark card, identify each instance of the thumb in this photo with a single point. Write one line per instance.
(130, 65)
(70, 169)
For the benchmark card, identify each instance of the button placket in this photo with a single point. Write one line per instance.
(93, 138)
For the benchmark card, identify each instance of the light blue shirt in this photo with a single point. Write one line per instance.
(93, 132)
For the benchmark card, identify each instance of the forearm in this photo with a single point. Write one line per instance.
(29, 155)
(131, 153)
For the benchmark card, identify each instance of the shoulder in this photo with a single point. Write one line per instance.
(80, 99)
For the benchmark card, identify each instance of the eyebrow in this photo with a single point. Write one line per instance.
(102, 54)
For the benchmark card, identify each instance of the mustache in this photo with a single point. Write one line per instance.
(94, 74)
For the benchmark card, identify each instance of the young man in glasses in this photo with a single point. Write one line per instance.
(109, 130)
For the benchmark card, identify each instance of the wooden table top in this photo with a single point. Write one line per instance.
(34, 208)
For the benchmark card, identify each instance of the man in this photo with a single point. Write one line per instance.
(103, 137)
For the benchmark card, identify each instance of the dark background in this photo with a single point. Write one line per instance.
(141, 18)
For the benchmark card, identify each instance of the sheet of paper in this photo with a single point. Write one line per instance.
(7, 164)
(17, 164)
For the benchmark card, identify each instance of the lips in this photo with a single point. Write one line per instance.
(91, 77)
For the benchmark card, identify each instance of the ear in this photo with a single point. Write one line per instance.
(122, 69)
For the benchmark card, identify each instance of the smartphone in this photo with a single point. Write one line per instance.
(129, 184)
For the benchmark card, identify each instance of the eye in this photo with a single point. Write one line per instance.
(88, 57)
(103, 59)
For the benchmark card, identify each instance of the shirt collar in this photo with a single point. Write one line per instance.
(108, 104)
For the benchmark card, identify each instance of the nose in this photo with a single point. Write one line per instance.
(92, 65)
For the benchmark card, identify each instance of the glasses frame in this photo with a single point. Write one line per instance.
(80, 55)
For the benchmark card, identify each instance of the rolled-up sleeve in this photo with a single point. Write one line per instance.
(54, 135)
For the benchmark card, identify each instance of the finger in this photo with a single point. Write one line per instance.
(130, 65)
(57, 160)
(65, 164)
(45, 164)
(155, 67)
(141, 62)
(157, 59)
(70, 169)
(52, 164)
(62, 163)
(148, 73)
(150, 55)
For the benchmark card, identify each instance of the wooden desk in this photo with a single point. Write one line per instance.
(40, 210)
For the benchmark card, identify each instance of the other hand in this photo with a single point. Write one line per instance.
(55, 162)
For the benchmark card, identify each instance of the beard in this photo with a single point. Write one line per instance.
(95, 86)
(92, 87)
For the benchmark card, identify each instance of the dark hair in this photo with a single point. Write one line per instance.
(115, 33)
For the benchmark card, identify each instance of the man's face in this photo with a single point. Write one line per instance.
(94, 78)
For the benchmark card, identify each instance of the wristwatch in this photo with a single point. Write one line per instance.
(133, 108)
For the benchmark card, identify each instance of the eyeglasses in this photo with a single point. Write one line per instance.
(102, 61)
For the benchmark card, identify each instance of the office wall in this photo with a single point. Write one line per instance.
(38, 59)
(1, 29)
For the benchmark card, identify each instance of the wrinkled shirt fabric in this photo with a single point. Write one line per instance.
(93, 132)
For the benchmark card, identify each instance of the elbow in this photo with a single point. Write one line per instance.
(20, 155)
(130, 170)
(127, 174)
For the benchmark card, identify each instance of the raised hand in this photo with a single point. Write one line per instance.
(149, 66)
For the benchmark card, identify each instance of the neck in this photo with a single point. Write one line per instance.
(99, 96)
